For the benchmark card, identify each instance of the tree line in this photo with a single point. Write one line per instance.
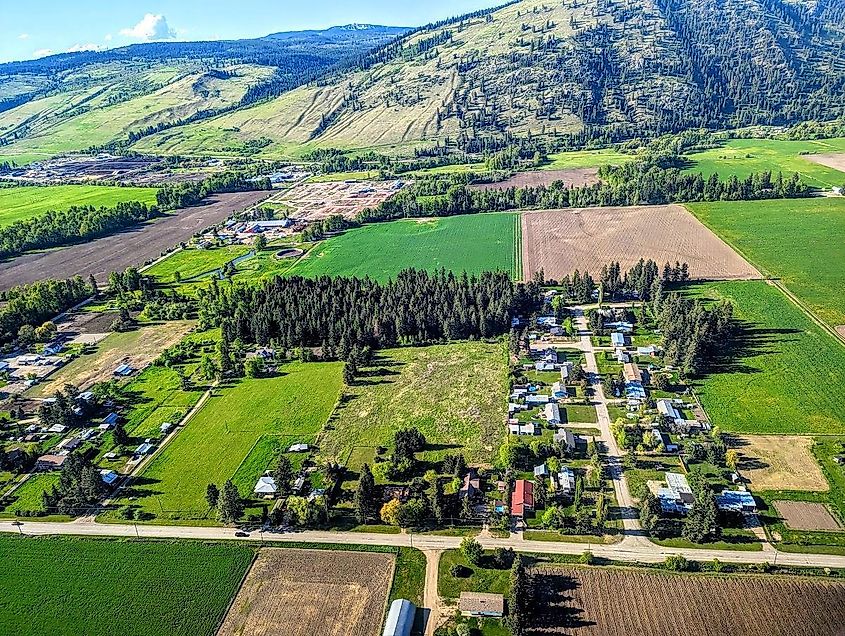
(173, 196)
(31, 305)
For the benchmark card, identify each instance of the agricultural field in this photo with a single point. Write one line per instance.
(779, 462)
(781, 377)
(618, 602)
(156, 397)
(807, 515)
(587, 159)
(23, 202)
(472, 243)
(223, 433)
(454, 394)
(561, 241)
(58, 585)
(193, 263)
(572, 178)
(313, 592)
(741, 157)
(775, 236)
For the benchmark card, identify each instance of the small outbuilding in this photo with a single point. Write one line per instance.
(400, 618)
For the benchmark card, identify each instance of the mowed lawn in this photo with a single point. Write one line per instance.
(789, 377)
(741, 157)
(473, 243)
(455, 394)
(23, 202)
(221, 435)
(67, 587)
(801, 241)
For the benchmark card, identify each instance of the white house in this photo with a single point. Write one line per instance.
(266, 486)
(552, 413)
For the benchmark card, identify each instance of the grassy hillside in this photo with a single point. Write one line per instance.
(553, 67)
(27, 201)
(802, 242)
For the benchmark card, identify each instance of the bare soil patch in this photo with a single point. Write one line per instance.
(291, 592)
(835, 160)
(319, 200)
(841, 331)
(561, 241)
(573, 178)
(779, 462)
(807, 515)
(133, 247)
(580, 601)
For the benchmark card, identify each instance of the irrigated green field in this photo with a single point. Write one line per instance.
(23, 202)
(192, 263)
(64, 586)
(216, 440)
(801, 241)
(741, 157)
(473, 243)
(455, 394)
(789, 374)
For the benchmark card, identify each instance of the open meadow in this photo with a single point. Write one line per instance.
(225, 431)
(785, 374)
(472, 243)
(66, 587)
(454, 394)
(619, 602)
(801, 241)
(23, 202)
(194, 262)
(326, 592)
(779, 462)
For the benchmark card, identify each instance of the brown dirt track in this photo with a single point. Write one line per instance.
(580, 601)
(807, 515)
(573, 177)
(561, 241)
(290, 592)
(119, 251)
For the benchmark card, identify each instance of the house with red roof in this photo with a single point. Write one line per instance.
(522, 500)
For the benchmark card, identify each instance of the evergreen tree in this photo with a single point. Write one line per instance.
(212, 495)
(231, 506)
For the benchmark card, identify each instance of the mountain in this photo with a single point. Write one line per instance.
(74, 101)
(615, 68)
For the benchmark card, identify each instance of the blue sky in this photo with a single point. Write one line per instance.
(40, 27)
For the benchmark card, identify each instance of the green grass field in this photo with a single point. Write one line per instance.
(28, 495)
(65, 586)
(741, 157)
(801, 241)
(455, 394)
(587, 159)
(193, 263)
(472, 243)
(23, 202)
(789, 376)
(222, 434)
(157, 397)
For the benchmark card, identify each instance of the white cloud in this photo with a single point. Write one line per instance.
(108, 37)
(42, 53)
(23, 36)
(151, 27)
(90, 46)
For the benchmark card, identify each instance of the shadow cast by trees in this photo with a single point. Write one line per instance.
(555, 605)
(750, 341)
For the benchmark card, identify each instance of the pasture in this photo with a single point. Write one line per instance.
(618, 602)
(472, 243)
(779, 462)
(782, 376)
(561, 241)
(329, 592)
(27, 496)
(194, 262)
(800, 241)
(587, 159)
(58, 585)
(156, 397)
(455, 394)
(741, 157)
(221, 435)
(24, 202)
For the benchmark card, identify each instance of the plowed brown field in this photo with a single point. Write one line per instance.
(292, 592)
(572, 177)
(561, 241)
(581, 601)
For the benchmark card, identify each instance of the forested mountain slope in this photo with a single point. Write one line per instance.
(623, 67)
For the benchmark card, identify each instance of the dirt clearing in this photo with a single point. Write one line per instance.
(292, 592)
(835, 160)
(321, 199)
(573, 178)
(806, 515)
(580, 601)
(561, 241)
(779, 462)
(130, 248)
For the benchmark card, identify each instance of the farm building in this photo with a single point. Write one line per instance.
(266, 487)
(667, 410)
(298, 448)
(617, 339)
(736, 501)
(663, 439)
(50, 462)
(523, 498)
(552, 413)
(481, 604)
(677, 496)
(400, 618)
(123, 370)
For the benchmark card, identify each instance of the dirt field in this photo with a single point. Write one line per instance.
(573, 177)
(319, 200)
(779, 462)
(581, 601)
(119, 251)
(805, 515)
(835, 160)
(561, 241)
(311, 593)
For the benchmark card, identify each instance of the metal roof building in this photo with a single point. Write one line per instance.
(400, 618)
